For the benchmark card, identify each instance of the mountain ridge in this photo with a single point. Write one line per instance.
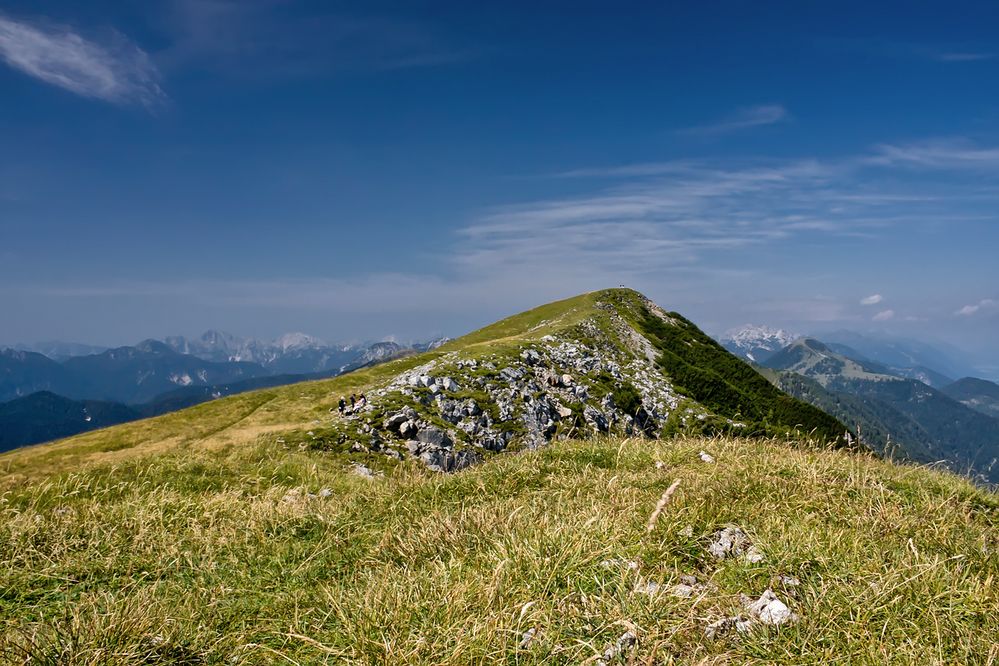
(590, 364)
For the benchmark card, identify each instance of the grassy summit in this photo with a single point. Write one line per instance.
(619, 324)
(262, 529)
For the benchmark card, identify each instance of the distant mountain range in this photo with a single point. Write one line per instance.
(78, 389)
(126, 374)
(898, 394)
(895, 413)
(902, 353)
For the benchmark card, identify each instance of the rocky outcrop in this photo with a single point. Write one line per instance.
(459, 408)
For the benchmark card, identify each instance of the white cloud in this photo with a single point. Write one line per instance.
(938, 154)
(116, 71)
(655, 217)
(754, 116)
(884, 315)
(873, 299)
(984, 304)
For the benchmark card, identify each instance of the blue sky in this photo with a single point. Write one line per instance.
(356, 170)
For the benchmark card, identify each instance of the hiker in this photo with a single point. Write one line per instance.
(342, 405)
(363, 400)
(353, 399)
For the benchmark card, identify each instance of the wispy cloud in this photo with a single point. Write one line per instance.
(963, 56)
(956, 153)
(916, 51)
(753, 116)
(641, 217)
(273, 39)
(975, 308)
(873, 299)
(884, 315)
(115, 71)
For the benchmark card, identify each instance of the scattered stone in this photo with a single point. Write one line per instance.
(624, 644)
(706, 457)
(726, 625)
(617, 563)
(364, 471)
(660, 464)
(325, 492)
(682, 590)
(789, 581)
(648, 587)
(595, 418)
(770, 610)
(527, 638)
(408, 429)
(511, 374)
(687, 532)
(733, 542)
(531, 356)
(449, 384)
(440, 459)
(687, 587)
(395, 421)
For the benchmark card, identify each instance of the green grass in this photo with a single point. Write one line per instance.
(219, 556)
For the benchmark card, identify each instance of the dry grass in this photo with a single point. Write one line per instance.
(206, 556)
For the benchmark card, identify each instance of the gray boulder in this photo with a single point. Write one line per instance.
(595, 418)
(434, 436)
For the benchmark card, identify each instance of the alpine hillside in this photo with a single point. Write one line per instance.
(153, 377)
(666, 503)
(601, 363)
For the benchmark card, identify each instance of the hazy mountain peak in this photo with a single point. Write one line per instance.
(757, 343)
(299, 341)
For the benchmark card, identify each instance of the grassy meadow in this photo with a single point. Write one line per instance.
(263, 553)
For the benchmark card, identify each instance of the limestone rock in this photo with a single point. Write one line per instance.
(770, 610)
(733, 542)
(619, 649)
